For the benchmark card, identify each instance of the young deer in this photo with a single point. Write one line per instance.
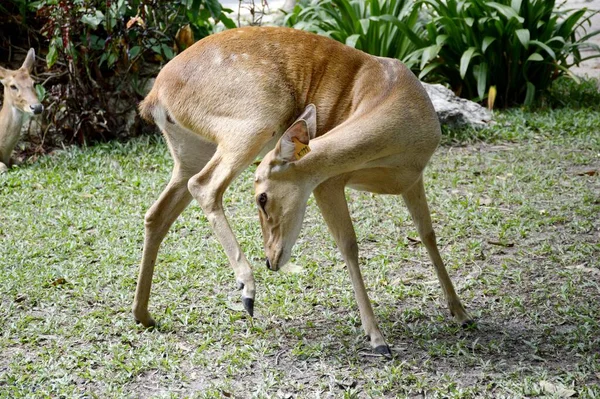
(231, 96)
(19, 98)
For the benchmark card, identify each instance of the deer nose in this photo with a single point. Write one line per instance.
(37, 108)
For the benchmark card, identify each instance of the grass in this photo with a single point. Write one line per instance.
(516, 218)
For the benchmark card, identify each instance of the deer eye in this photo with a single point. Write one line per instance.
(13, 87)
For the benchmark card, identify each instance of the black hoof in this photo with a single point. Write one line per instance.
(469, 324)
(150, 326)
(249, 305)
(383, 350)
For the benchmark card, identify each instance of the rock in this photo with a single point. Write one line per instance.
(455, 111)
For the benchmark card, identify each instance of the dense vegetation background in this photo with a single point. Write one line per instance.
(97, 56)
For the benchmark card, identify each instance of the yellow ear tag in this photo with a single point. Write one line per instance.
(301, 148)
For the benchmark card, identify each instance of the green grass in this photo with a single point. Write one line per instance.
(71, 232)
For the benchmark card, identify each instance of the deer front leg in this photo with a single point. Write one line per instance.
(332, 203)
(416, 203)
(207, 187)
(159, 218)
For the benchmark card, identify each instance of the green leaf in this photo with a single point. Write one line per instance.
(93, 20)
(52, 56)
(465, 60)
(535, 57)
(214, 7)
(167, 51)
(40, 91)
(524, 36)
(486, 43)
(545, 47)
(352, 39)
(530, 94)
(134, 51)
(228, 22)
(481, 77)
(429, 68)
(441, 39)
(364, 24)
(505, 10)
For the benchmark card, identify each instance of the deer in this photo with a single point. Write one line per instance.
(20, 98)
(324, 116)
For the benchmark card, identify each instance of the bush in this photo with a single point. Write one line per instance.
(516, 46)
(99, 52)
(378, 27)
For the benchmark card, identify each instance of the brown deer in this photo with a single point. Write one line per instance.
(20, 98)
(237, 94)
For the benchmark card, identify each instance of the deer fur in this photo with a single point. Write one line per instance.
(331, 117)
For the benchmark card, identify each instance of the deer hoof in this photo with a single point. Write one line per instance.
(383, 350)
(248, 305)
(148, 323)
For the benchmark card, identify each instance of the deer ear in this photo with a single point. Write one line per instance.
(29, 60)
(3, 73)
(293, 145)
(310, 116)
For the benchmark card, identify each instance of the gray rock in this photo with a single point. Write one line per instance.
(455, 111)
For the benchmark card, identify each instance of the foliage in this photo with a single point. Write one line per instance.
(378, 27)
(517, 46)
(98, 51)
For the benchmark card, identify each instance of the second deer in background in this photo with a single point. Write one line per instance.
(20, 98)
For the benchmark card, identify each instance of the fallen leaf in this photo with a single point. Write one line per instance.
(20, 298)
(502, 244)
(235, 306)
(56, 283)
(591, 172)
(485, 201)
(583, 268)
(346, 383)
(292, 268)
(413, 241)
(556, 389)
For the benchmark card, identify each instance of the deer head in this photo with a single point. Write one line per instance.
(18, 87)
(281, 190)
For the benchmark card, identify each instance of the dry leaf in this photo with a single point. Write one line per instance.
(292, 268)
(502, 244)
(413, 241)
(591, 172)
(58, 281)
(556, 389)
(485, 201)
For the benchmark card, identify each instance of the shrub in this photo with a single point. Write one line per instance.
(516, 46)
(378, 27)
(98, 52)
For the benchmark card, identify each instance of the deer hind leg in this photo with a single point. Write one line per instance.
(207, 187)
(416, 202)
(189, 159)
(332, 203)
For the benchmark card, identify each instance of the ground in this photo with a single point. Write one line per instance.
(517, 225)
